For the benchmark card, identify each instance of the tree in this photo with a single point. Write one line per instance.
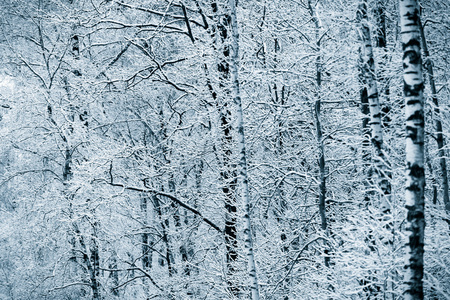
(318, 36)
(242, 153)
(371, 107)
(415, 171)
(440, 140)
(368, 70)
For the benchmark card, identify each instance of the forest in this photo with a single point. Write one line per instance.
(224, 149)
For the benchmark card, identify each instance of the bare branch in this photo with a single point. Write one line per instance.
(188, 26)
(169, 196)
(158, 13)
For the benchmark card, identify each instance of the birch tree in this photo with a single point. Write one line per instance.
(375, 121)
(415, 171)
(368, 70)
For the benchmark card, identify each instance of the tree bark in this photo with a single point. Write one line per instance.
(368, 69)
(228, 174)
(319, 133)
(164, 222)
(147, 243)
(243, 176)
(380, 39)
(415, 171)
(437, 120)
(366, 153)
(382, 166)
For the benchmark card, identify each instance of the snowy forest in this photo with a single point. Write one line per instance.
(224, 149)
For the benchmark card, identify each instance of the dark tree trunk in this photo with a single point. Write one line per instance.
(437, 121)
(228, 173)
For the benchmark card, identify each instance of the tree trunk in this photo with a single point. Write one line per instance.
(168, 257)
(366, 153)
(95, 259)
(114, 274)
(381, 43)
(415, 171)
(319, 134)
(437, 121)
(375, 121)
(242, 153)
(368, 69)
(147, 243)
(228, 174)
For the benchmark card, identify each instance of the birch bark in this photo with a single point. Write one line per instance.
(375, 119)
(228, 173)
(415, 171)
(368, 69)
(366, 152)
